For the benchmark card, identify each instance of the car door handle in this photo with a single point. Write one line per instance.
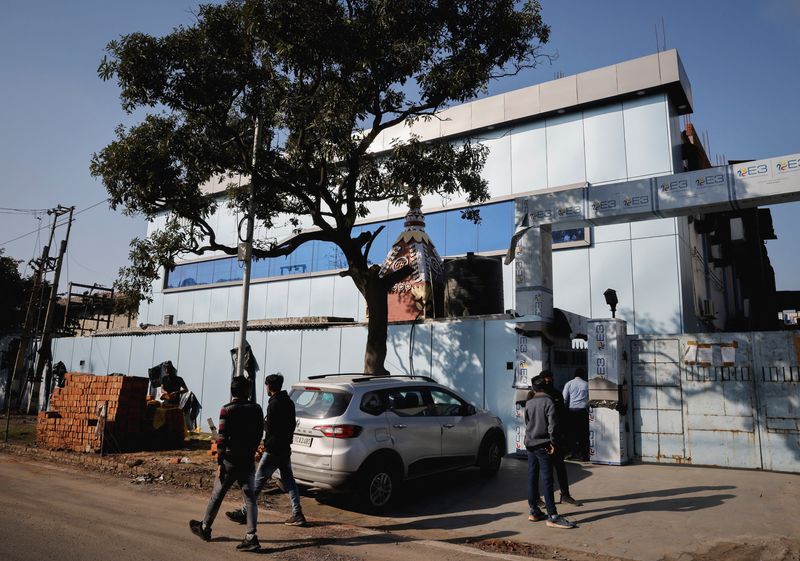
(400, 426)
(448, 426)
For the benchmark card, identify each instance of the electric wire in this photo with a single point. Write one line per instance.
(57, 224)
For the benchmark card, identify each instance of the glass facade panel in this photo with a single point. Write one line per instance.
(647, 141)
(565, 154)
(205, 272)
(436, 228)
(301, 259)
(222, 270)
(451, 234)
(605, 144)
(259, 269)
(462, 235)
(496, 227)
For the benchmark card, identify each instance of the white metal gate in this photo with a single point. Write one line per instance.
(740, 409)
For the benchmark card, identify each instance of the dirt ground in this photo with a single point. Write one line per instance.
(192, 468)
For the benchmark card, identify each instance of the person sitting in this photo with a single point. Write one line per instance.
(172, 386)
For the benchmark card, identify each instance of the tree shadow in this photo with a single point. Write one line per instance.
(683, 504)
(660, 493)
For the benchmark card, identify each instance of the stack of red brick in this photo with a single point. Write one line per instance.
(71, 422)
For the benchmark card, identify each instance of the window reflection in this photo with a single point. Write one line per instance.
(451, 234)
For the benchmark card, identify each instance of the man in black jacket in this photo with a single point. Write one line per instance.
(279, 425)
(240, 429)
(541, 430)
(561, 440)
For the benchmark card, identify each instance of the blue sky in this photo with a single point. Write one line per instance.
(54, 111)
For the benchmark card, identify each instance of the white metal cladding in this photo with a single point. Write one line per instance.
(760, 182)
(745, 414)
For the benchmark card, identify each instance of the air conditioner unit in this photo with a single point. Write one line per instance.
(707, 309)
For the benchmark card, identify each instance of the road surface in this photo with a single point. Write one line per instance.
(50, 512)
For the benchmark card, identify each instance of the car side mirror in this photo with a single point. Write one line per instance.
(467, 410)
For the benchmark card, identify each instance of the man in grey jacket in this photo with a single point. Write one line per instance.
(541, 430)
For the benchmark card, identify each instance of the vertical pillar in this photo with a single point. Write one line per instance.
(533, 278)
(533, 269)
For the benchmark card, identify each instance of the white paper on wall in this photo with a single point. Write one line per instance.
(728, 354)
(705, 354)
(690, 354)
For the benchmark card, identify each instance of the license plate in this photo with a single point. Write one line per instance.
(302, 440)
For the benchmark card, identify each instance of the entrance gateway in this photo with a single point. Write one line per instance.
(716, 189)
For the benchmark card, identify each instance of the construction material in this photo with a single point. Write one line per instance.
(71, 423)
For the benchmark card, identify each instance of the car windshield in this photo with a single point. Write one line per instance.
(315, 403)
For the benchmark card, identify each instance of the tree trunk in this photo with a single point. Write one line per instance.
(375, 294)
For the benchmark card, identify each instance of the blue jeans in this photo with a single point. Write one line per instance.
(540, 463)
(244, 475)
(266, 467)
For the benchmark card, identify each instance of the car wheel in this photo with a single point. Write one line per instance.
(491, 455)
(378, 485)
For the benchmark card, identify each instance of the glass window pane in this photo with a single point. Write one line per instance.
(173, 278)
(407, 403)
(380, 247)
(435, 226)
(496, 227)
(222, 270)
(462, 235)
(445, 404)
(393, 229)
(327, 257)
(260, 269)
(205, 272)
(300, 259)
(188, 274)
(237, 269)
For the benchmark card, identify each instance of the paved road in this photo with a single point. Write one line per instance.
(640, 512)
(48, 512)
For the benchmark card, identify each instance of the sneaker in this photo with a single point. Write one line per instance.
(570, 500)
(537, 516)
(196, 527)
(558, 521)
(239, 516)
(249, 544)
(296, 520)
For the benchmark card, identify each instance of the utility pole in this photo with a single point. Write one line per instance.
(246, 255)
(46, 339)
(40, 268)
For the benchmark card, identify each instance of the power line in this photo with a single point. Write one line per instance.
(57, 225)
(24, 210)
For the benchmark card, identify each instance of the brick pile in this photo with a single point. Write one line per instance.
(71, 422)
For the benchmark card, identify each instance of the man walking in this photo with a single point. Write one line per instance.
(240, 429)
(279, 425)
(576, 400)
(541, 430)
(562, 419)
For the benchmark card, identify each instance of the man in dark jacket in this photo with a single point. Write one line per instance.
(561, 439)
(240, 429)
(541, 433)
(279, 425)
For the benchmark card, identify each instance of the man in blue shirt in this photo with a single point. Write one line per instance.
(576, 400)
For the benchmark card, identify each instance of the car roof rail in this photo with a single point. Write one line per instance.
(367, 377)
(387, 377)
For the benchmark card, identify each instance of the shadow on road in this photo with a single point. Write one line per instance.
(682, 504)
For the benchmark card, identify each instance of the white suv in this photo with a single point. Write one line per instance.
(373, 432)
